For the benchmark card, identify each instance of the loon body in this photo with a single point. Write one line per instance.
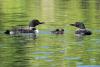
(32, 29)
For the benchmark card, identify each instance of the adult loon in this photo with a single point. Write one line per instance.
(32, 28)
(82, 29)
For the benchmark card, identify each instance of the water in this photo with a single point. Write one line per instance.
(50, 50)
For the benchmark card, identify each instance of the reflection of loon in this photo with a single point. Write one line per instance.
(82, 30)
(32, 29)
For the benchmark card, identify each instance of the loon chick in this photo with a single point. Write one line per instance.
(58, 31)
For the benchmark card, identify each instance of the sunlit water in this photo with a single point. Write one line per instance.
(50, 50)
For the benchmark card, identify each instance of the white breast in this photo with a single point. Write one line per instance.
(36, 31)
(11, 32)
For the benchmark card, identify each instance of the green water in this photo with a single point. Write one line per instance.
(50, 50)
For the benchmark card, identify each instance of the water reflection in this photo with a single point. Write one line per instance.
(50, 50)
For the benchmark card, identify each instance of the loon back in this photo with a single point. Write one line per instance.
(88, 32)
(83, 32)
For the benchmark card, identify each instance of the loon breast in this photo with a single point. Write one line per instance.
(12, 32)
(36, 31)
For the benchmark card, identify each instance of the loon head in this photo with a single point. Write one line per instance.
(34, 23)
(62, 31)
(7, 32)
(79, 25)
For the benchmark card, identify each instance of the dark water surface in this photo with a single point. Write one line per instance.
(50, 50)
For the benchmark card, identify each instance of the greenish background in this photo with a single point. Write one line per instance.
(50, 50)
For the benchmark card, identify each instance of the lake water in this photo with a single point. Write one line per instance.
(50, 50)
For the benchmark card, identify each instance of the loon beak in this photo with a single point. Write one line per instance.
(41, 23)
(72, 24)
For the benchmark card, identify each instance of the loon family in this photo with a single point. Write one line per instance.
(32, 29)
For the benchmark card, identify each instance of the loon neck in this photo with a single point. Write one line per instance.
(82, 26)
(31, 28)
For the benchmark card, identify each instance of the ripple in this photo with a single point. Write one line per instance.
(72, 58)
(88, 66)
(38, 52)
(41, 57)
(45, 47)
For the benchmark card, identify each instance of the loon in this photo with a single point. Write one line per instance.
(82, 29)
(32, 28)
(58, 31)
